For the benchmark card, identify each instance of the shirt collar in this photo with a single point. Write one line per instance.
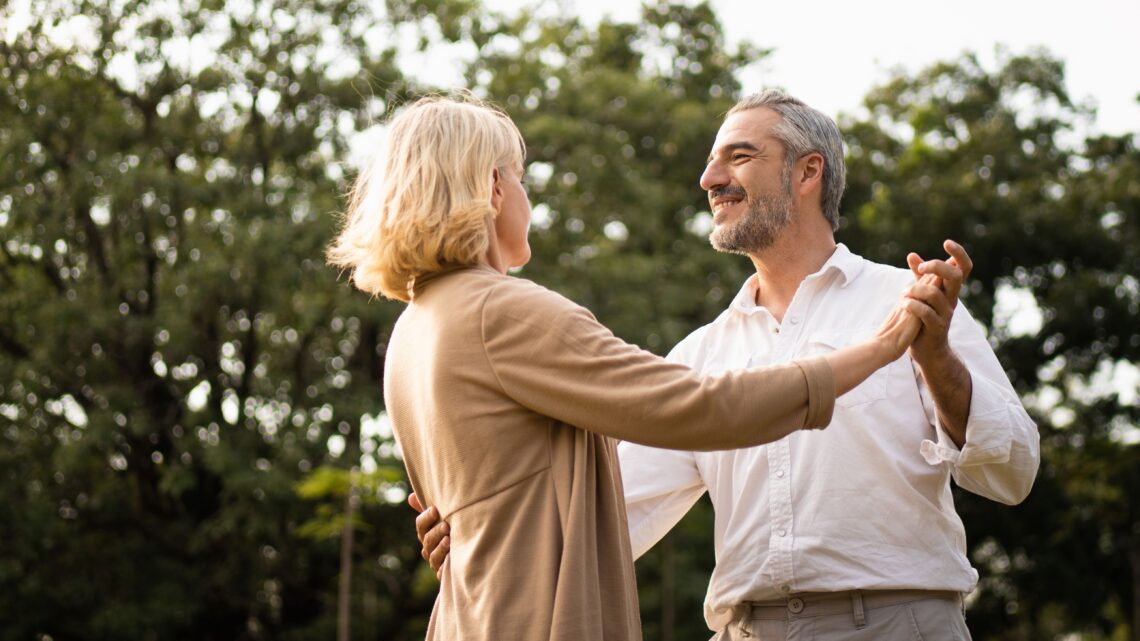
(841, 261)
(846, 263)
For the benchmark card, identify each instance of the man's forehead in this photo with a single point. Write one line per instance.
(750, 126)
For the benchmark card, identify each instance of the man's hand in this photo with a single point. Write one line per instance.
(939, 282)
(432, 533)
(934, 298)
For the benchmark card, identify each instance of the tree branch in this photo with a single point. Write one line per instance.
(12, 346)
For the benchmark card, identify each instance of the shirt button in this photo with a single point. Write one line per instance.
(783, 532)
(776, 331)
(793, 320)
(795, 605)
(779, 474)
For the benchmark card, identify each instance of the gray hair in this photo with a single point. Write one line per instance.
(803, 130)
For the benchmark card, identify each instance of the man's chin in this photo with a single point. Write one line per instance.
(722, 215)
(721, 240)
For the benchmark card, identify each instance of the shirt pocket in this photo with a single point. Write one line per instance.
(871, 390)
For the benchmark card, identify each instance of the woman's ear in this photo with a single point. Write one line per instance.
(496, 190)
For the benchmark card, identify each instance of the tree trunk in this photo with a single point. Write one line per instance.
(344, 592)
(1135, 539)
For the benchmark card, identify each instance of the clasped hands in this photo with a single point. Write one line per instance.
(932, 300)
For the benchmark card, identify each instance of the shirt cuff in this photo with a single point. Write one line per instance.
(988, 437)
(821, 392)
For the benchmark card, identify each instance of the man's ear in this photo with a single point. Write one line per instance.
(811, 171)
(496, 189)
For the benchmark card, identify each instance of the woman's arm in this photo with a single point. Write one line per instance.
(553, 357)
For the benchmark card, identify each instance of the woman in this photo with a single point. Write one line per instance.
(506, 398)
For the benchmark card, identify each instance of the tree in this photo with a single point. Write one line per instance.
(174, 356)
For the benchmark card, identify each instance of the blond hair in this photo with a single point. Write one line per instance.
(423, 202)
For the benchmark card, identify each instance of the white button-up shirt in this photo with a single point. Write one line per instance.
(862, 504)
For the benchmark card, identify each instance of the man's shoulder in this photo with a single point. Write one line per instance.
(690, 348)
(880, 273)
(686, 344)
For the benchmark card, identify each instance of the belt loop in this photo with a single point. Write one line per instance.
(857, 609)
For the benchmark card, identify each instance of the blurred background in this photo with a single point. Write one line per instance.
(193, 442)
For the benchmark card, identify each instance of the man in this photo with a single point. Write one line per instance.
(850, 532)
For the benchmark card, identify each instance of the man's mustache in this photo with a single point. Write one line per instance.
(728, 191)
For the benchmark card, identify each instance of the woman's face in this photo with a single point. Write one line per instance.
(513, 221)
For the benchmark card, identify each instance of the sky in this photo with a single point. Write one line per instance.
(829, 53)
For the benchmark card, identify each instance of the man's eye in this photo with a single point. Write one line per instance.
(739, 157)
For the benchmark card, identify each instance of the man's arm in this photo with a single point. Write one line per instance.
(947, 379)
(983, 431)
(660, 488)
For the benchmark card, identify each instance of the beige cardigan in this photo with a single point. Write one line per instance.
(506, 399)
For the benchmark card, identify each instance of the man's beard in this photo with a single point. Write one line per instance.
(765, 218)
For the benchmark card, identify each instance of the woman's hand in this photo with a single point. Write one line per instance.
(897, 332)
(919, 322)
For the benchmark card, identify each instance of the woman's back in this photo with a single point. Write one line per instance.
(540, 544)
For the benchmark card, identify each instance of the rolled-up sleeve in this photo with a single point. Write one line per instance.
(821, 392)
(1002, 450)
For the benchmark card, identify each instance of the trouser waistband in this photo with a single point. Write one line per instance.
(813, 604)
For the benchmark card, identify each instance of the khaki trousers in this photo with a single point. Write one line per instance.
(874, 615)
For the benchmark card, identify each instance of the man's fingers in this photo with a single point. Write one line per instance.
(414, 501)
(949, 275)
(426, 521)
(947, 271)
(933, 296)
(432, 538)
(913, 260)
(432, 533)
(439, 555)
(960, 257)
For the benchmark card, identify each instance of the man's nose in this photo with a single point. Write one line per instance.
(714, 176)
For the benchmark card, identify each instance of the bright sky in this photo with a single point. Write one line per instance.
(830, 52)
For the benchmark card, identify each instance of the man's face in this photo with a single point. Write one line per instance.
(748, 186)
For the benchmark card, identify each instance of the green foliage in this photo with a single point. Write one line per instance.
(174, 355)
(618, 121)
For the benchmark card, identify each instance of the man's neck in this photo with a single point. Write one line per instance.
(781, 267)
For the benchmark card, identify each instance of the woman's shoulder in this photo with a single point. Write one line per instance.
(482, 290)
(516, 296)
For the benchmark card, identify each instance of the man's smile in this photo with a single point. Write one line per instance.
(723, 199)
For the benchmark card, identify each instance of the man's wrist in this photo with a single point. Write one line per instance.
(940, 362)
